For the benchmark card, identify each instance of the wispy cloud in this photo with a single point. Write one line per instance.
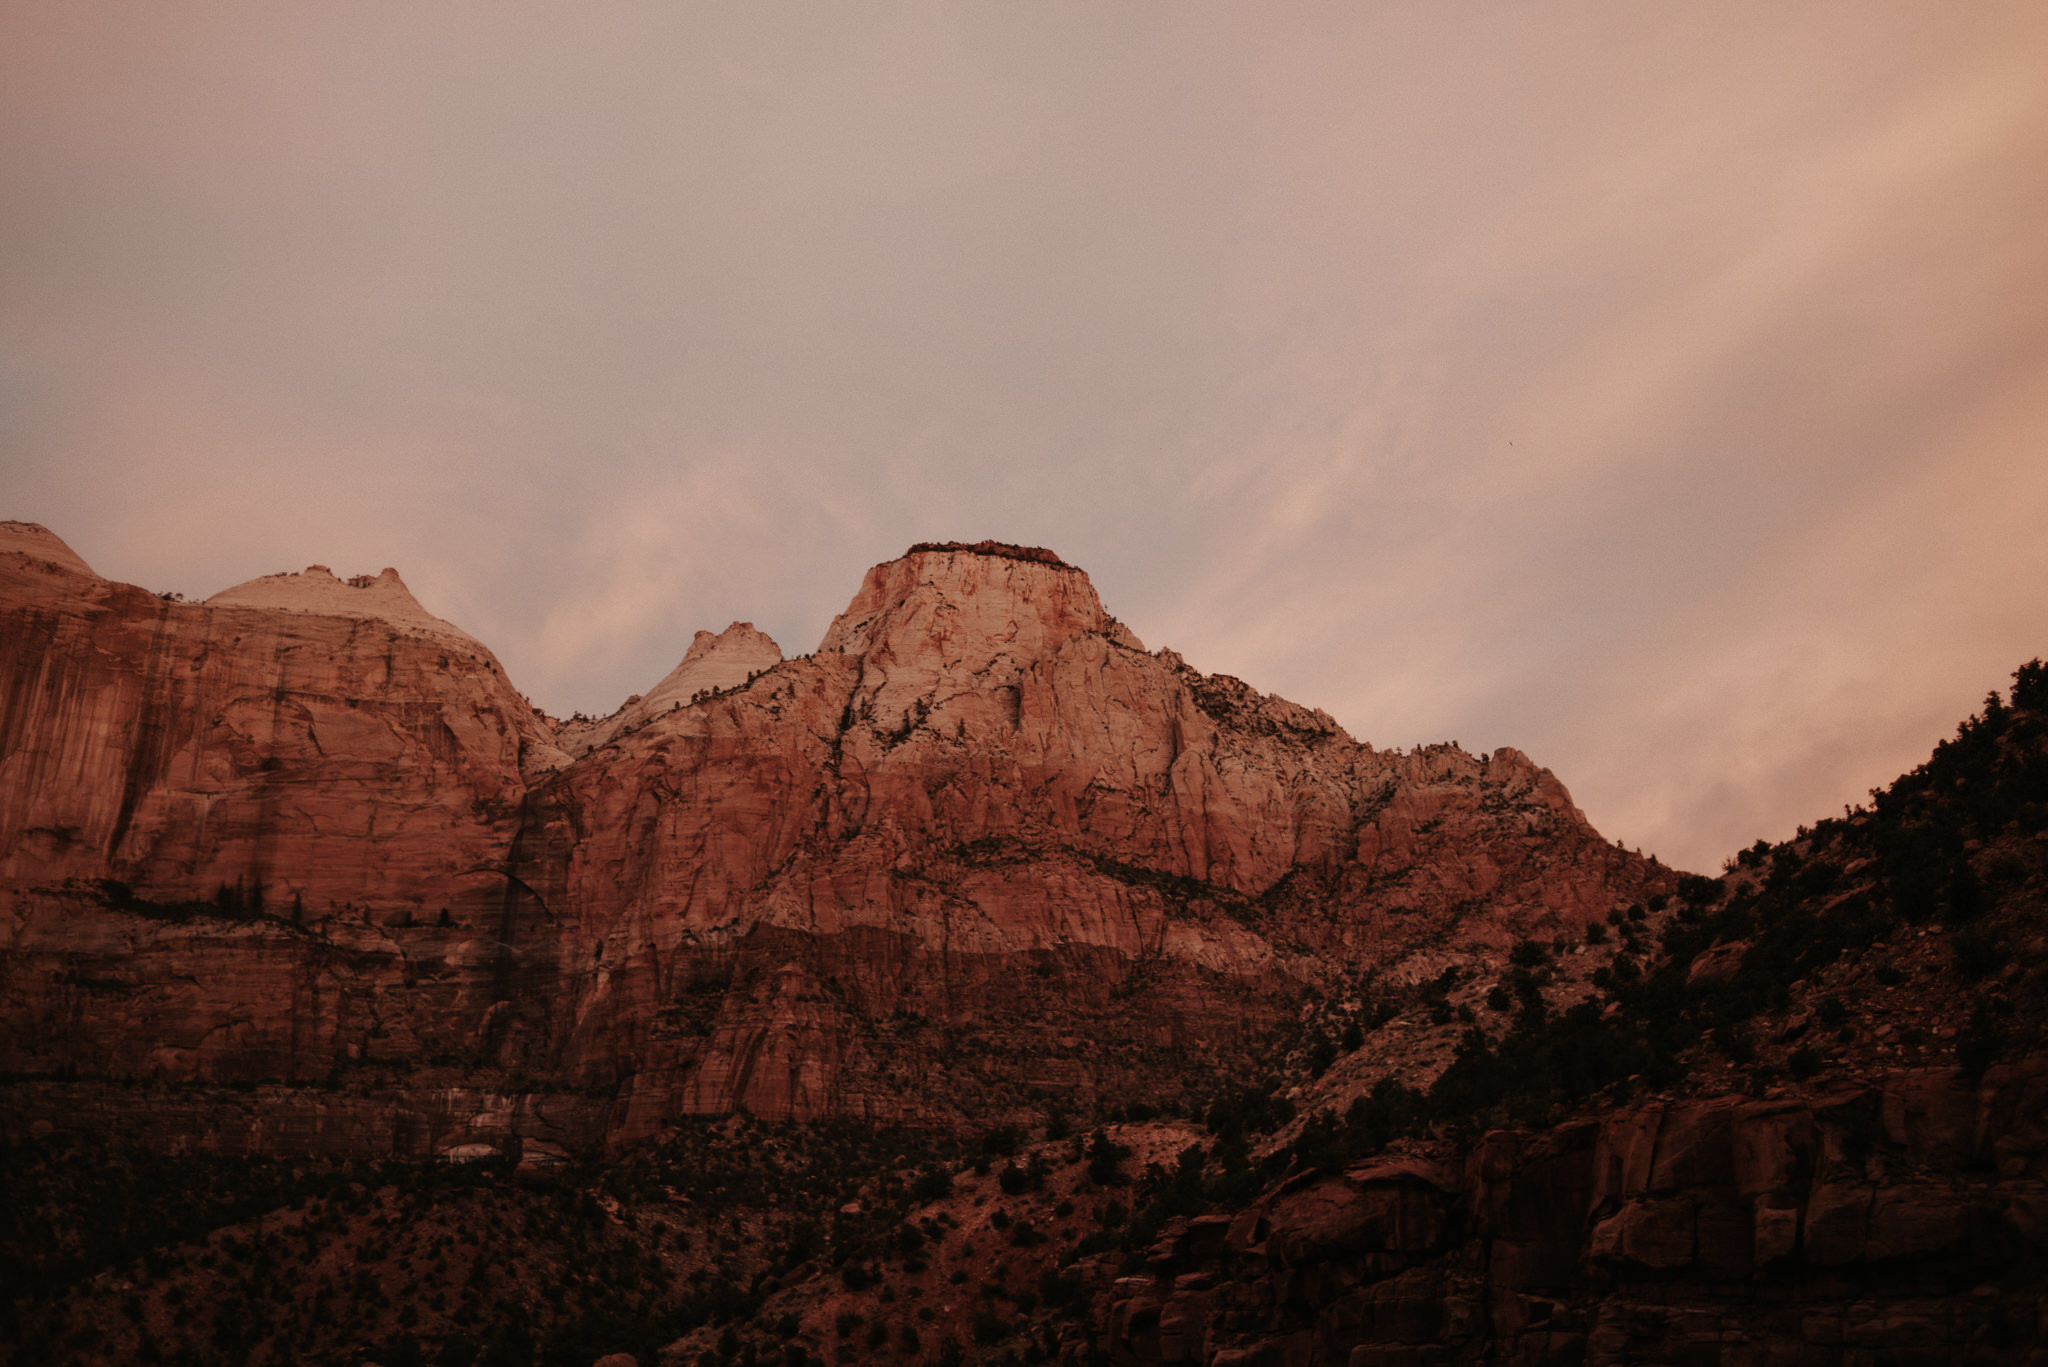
(1659, 390)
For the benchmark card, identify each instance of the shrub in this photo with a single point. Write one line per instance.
(1978, 1045)
(1321, 1055)
(1105, 1160)
(1699, 890)
(1965, 894)
(2030, 686)
(933, 1183)
(1977, 954)
(1913, 895)
(1057, 1127)
(1733, 1040)
(1804, 1063)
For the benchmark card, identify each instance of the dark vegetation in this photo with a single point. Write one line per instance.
(252, 1260)
(229, 1260)
(1785, 914)
(1908, 859)
(1001, 549)
(236, 901)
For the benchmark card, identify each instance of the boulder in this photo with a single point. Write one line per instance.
(1837, 1224)
(1915, 1221)
(1771, 1146)
(1393, 1210)
(1652, 1232)
(1717, 965)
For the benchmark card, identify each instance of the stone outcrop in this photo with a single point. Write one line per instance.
(316, 742)
(714, 663)
(978, 854)
(1893, 1221)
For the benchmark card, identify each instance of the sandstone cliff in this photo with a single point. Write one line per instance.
(979, 854)
(985, 864)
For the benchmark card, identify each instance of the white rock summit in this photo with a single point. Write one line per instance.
(376, 598)
(713, 662)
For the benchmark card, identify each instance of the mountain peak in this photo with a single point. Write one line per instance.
(37, 542)
(945, 604)
(714, 661)
(379, 597)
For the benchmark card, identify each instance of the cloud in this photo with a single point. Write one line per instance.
(1655, 390)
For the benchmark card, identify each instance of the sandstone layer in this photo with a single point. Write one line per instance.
(980, 854)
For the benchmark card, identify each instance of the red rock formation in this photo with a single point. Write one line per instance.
(977, 853)
(713, 664)
(1904, 1215)
(316, 741)
(277, 782)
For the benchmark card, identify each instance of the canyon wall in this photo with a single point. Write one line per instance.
(979, 855)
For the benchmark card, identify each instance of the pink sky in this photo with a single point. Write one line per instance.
(1662, 390)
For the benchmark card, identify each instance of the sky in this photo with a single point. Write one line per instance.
(1659, 389)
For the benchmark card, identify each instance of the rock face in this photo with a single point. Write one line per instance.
(714, 663)
(978, 855)
(1880, 1222)
(328, 743)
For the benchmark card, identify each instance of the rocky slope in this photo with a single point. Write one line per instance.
(979, 855)
(1863, 1221)
(1810, 1126)
(1798, 1114)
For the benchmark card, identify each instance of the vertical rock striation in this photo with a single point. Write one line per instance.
(979, 854)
